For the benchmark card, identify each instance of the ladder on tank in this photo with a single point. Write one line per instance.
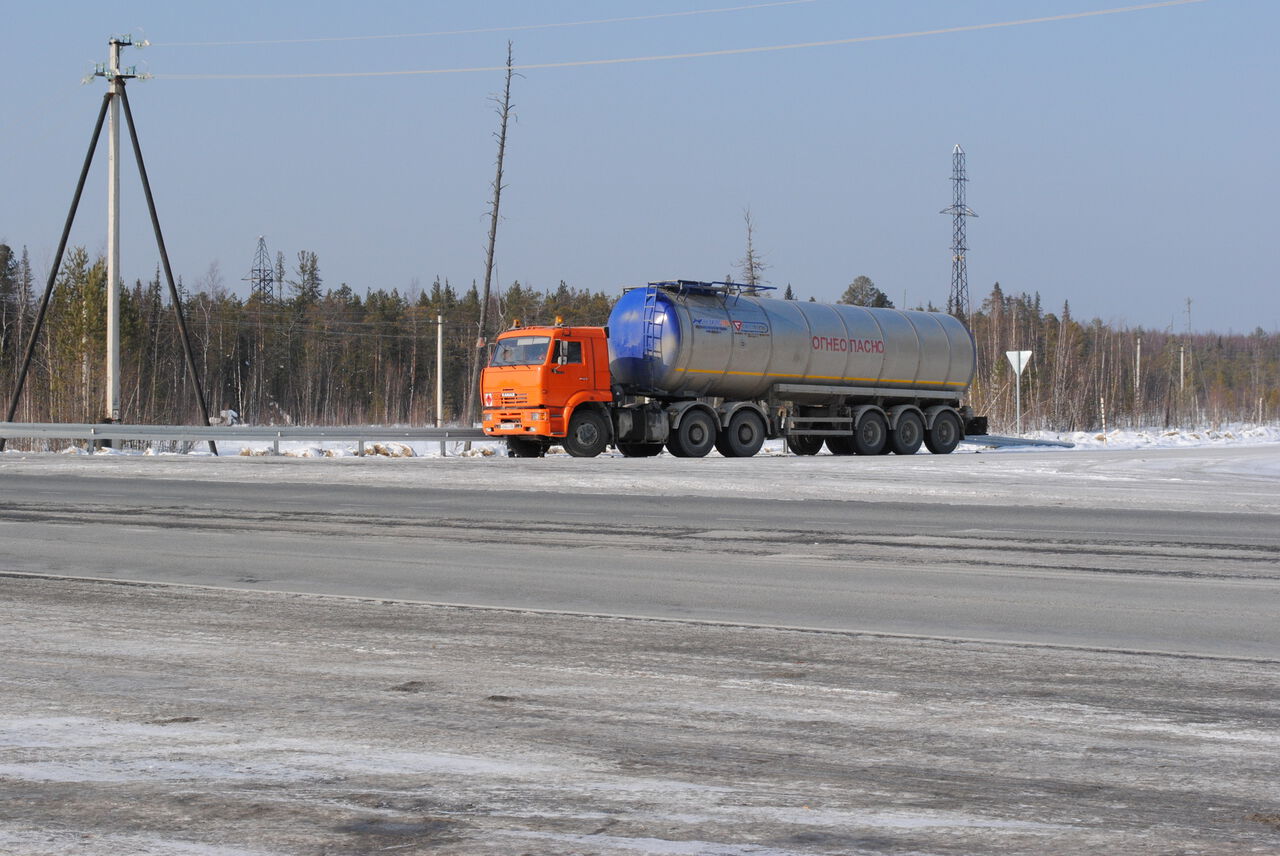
(652, 327)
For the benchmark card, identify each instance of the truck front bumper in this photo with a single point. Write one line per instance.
(519, 422)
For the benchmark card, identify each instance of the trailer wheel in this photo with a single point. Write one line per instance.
(744, 436)
(871, 434)
(840, 445)
(905, 439)
(803, 444)
(945, 434)
(694, 437)
(639, 450)
(587, 435)
(518, 447)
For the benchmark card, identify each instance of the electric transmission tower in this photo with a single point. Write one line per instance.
(958, 300)
(262, 277)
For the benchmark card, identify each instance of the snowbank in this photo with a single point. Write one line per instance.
(1240, 434)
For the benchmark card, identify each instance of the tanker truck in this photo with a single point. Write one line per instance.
(691, 366)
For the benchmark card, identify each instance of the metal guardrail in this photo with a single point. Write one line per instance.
(218, 433)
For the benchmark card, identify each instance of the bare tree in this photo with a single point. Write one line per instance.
(477, 357)
(751, 266)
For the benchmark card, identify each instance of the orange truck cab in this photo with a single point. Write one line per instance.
(546, 385)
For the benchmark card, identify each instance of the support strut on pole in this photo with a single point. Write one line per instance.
(164, 260)
(53, 271)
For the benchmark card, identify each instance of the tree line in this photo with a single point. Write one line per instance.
(1084, 376)
(311, 356)
(320, 356)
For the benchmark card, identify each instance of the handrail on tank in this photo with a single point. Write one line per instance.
(693, 286)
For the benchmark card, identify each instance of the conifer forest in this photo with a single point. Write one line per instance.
(309, 355)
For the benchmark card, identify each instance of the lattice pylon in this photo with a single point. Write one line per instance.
(262, 277)
(958, 299)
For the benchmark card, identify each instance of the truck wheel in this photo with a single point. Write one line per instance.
(587, 435)
(801, 444)
(695, 436)
(840, 445)
(945, 434)
(907, 436)
(639, 450)
(744, 436)
(871, 434)
(518, 447)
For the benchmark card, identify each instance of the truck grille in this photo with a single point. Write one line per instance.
(510, 396)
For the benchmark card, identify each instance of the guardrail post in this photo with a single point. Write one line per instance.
(360, 448)
(275, 445)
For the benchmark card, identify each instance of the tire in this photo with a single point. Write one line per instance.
(946, 433)
(908, 434)
(871, 434)
(840, 445)
(694, 437)
(744, 436)
(802, 444)
(639, 450)
(588, 434)
(518, 447)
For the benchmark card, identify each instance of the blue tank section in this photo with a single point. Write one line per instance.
(644, 336)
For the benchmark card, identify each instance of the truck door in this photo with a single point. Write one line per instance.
(569, 371)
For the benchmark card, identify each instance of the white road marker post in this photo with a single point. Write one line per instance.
(1019, 360)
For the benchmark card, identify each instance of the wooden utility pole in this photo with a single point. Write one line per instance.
(477, 357)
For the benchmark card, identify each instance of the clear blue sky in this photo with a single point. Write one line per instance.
(1123, 162)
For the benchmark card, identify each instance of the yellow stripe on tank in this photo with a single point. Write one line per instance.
(824, 377)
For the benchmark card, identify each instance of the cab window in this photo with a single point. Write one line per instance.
(569, 352)
(521, 351)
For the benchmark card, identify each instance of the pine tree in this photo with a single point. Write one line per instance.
(863, 292)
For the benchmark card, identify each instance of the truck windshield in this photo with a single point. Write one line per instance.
(520, 351)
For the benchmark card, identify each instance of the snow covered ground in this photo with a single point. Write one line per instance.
(1234, 468)
(1239, 434)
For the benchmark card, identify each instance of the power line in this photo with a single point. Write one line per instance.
(694, 55)
(476, 30)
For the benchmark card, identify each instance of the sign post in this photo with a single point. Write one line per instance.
(1019, 360)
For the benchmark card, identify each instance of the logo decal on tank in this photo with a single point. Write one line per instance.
(848, 346)
(751, 328)
(711, 325)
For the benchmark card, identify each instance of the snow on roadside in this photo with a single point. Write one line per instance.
(1143, 438)
(1237, 434)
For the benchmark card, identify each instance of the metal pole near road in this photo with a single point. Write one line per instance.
(440, 376)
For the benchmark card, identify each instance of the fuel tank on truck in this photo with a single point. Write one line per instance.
(687, 339)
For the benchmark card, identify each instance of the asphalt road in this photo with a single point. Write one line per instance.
(172, 721)
(1170, 580)
(1137, 713)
